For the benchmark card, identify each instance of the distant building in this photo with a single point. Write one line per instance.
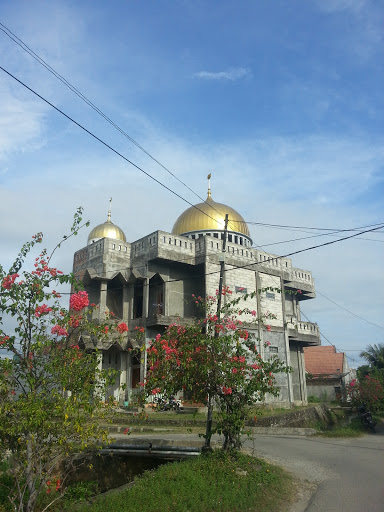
(149, 283)
(328, 372)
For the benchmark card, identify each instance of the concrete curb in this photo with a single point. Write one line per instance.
(284, 431)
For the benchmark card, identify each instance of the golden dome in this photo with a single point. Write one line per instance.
(209, 216)
(106, 230)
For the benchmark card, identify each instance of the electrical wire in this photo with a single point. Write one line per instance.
(76, 91)
(105, 143)
(314, 236)
(348, 311)
(252, 264)
(41, 61)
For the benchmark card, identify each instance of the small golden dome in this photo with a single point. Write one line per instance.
(209, 216)
(106, 230)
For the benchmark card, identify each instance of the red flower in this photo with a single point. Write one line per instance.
(79, 301)
(234, 370)
(42, 310)
(126, 431)
(123, 327)
(4, 339)
(8, 281)
(268, 328)
(60, 331)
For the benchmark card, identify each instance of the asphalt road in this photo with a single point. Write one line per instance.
(337, 475)
(343, 475)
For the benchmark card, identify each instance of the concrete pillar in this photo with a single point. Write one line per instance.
(129, 375)
(287, 350)
(103, 299)
(303, 381)
(166, 290)
(145, 297)
(123, 377)
(125, 303)
(130, 292)
(258, 312)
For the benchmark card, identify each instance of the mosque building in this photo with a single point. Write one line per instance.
(148, 283)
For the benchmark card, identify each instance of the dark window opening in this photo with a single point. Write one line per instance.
(156, 296)
(138, 296)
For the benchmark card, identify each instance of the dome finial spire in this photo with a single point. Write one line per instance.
(109, 211)
(209, 185)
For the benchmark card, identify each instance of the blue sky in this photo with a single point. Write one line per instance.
(281, 101)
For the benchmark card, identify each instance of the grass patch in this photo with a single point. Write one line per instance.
(216, 482)
(353, 429)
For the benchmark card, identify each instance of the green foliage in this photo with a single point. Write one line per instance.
(221, 482)
(214, 361)
(353, 429)
(51, 390)
(374, 355)
(314, 399)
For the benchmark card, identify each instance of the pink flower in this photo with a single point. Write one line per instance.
(42, 310)
(123, 327)
(74, 322)
(268, 328)
(8, 281)
(60, 331)
(126, 431)
(4, 339)
(79, 301)
(234, 370)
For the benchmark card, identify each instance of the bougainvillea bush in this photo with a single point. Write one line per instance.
(50, 389)
(216, 362)
(366, 390)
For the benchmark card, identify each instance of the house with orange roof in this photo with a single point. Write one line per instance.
(327, 372)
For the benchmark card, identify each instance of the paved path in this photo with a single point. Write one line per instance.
(346, 475)
(338, 475)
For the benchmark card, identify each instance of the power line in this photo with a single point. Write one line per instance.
(41, 61)
(284, 226)
(348, 311)
(248, 265)
(105, 143)
(316, 236)
(47, 66)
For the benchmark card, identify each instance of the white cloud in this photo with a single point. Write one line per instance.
(340, 5)
(231, 74)
(21, 124)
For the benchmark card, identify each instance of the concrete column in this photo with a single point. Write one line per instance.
(125, 303)
(103, 299)
(287, 350)
(130, 292)
(145, 297)
(303, 381)
(260, 330)
(123, 376)
(100, 366)
(166, 289)
(143, 360)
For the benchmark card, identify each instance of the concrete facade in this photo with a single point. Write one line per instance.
(149, 283)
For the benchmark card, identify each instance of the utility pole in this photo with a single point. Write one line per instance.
(208, 431)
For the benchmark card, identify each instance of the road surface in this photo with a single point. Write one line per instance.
(343, 475)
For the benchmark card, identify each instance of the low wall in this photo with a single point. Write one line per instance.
(301, 418)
